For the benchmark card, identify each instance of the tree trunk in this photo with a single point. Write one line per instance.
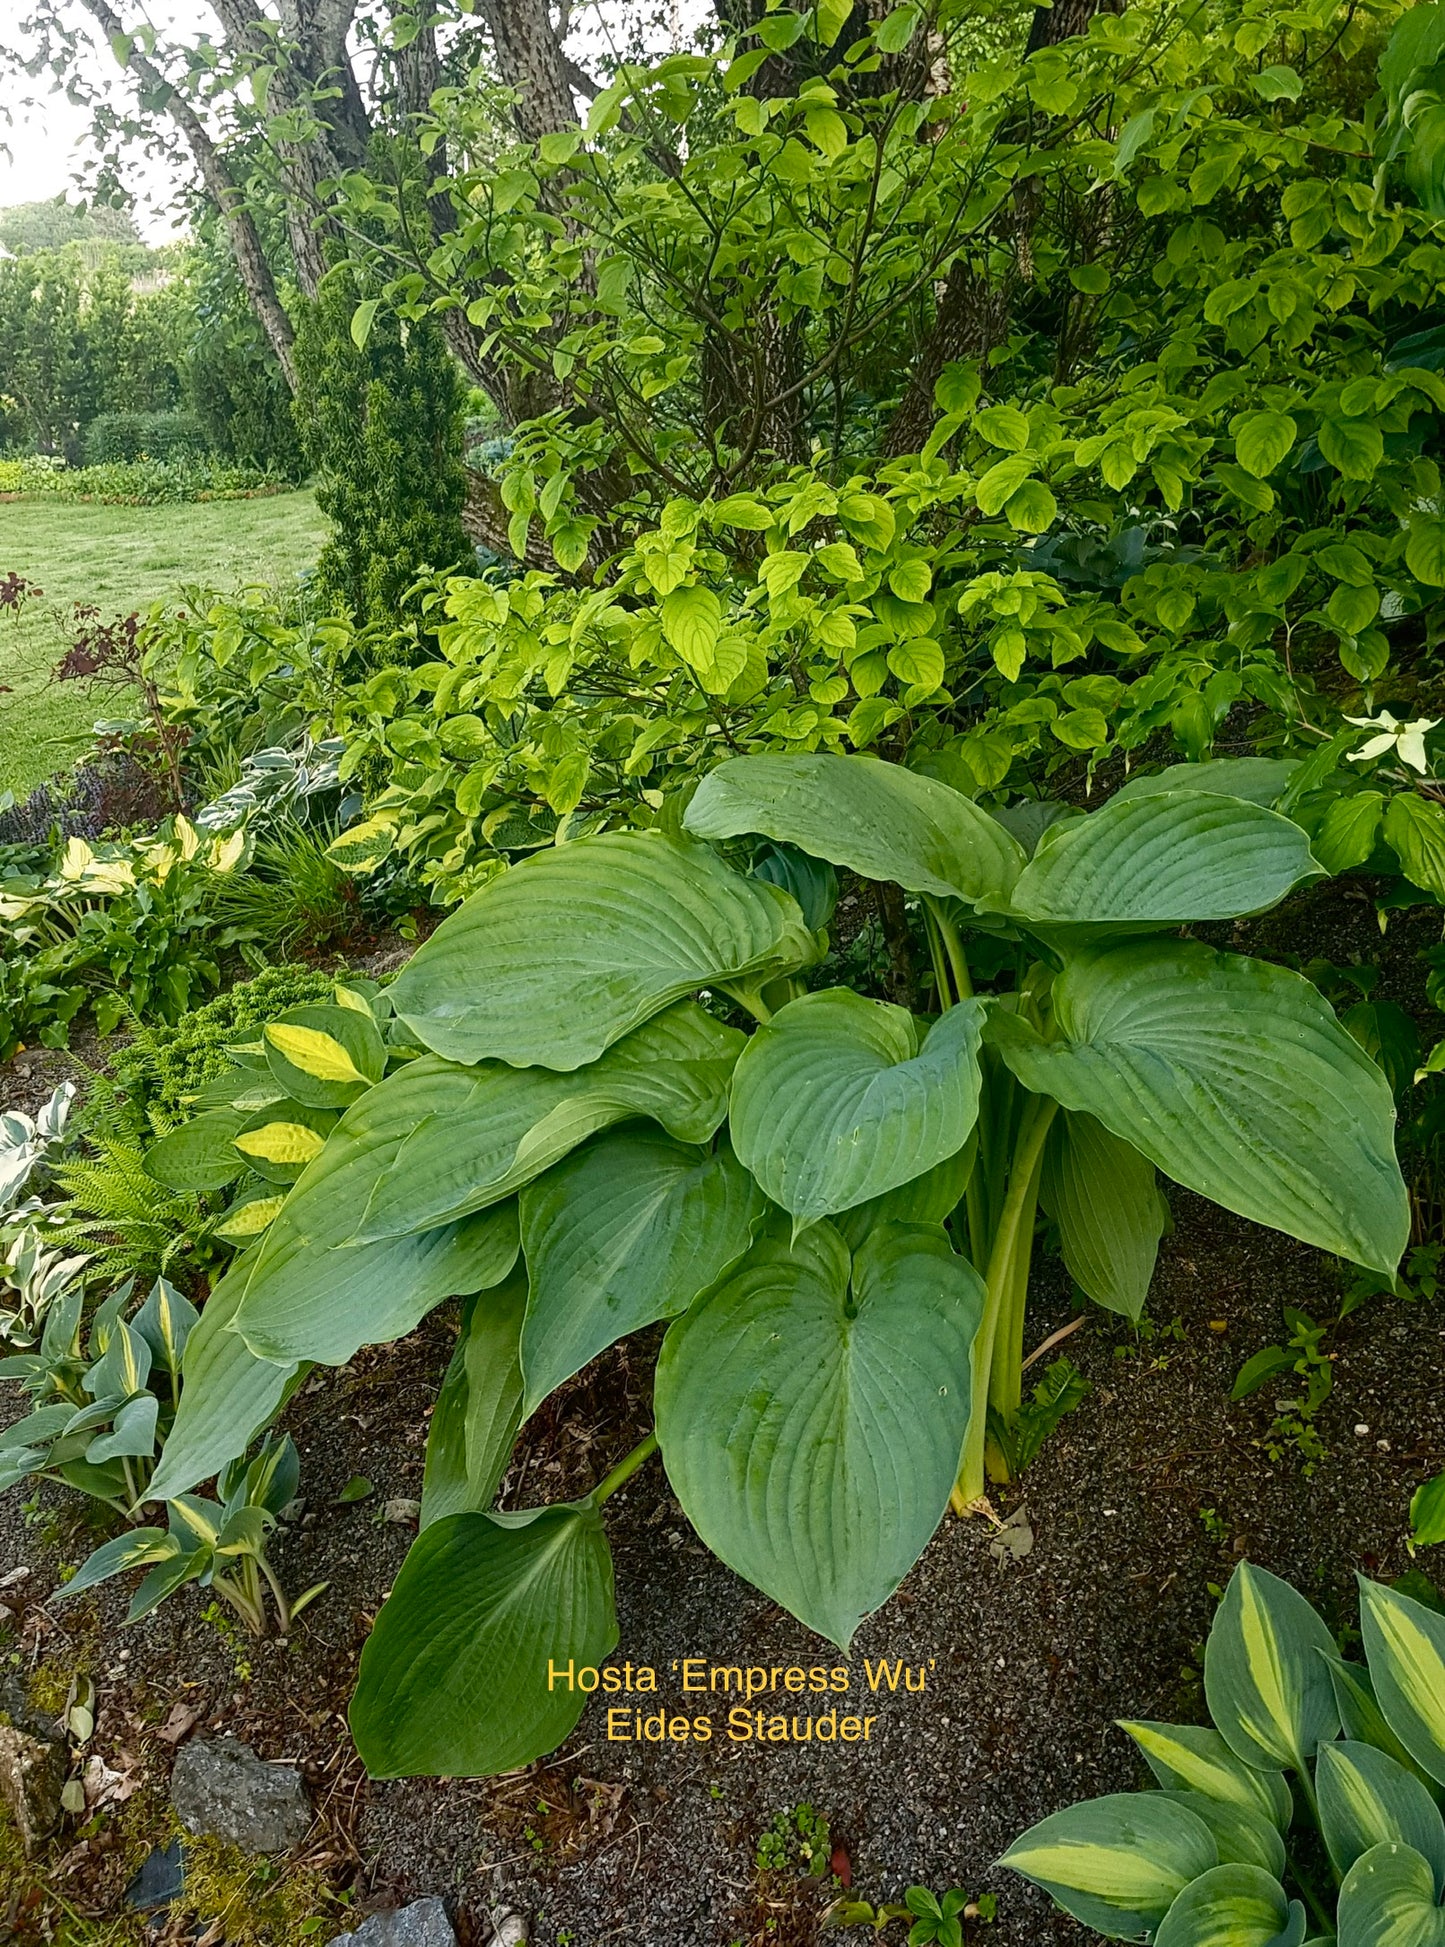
(530, 61)
(255, 272)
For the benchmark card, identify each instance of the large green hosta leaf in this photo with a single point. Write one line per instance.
(839, 1099)
(479, 1408)
(879, 820)
(812, 1432)
(1388, 1900)
(454, 1677)
(1405, 1647)
(1233, 1906)
(228, 1394)
(1110, 1211)
(1117, 1863)
(1367, 1799)
(447, 1140)
(1160, 860)
(1235, 1078)
(628, 1230)
(302, 1302)
(1268, 1687)
(1260, 780)
(559, 957)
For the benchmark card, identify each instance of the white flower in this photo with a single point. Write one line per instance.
(1408, 739)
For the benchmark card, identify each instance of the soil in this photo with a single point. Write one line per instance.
(1139, 1506)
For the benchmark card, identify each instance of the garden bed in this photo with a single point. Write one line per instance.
(1137, 1509)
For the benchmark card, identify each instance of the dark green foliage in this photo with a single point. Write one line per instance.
(135, 435)
(382, 428)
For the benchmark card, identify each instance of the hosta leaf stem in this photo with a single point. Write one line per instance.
(624, 1470)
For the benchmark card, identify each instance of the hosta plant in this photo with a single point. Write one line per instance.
(1225, 1851)
(835, 1211)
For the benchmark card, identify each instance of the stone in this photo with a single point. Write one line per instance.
(220, 1788)
(34, 1761)
(422, 1924)
(161, 1879)
(508, 1929)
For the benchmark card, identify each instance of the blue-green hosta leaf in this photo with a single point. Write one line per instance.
(138, 1549)
(479, 1408)
(325, 1055)
(1360, 1715)
(1235, 1078)
(1244, 1838)
(228, 1394)
(1405, 1649)
(1233, 1906)
(1367, 1799)
(1111, 1213)
(1268, 1690)
(929, 1199)
(559, 957)
(812, 1441)
(1117, 1863)
(453, 1679)
(132, 1434)
(1388, 1900)
(165, 1321)
(1258, 780)
(879, 820)
(1163, 859)
(303, 1303)
(1188, 1757)
(839, 1099)
(437, 1141)
(625, 1231)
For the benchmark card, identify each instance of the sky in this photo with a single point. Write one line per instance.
(46, 143)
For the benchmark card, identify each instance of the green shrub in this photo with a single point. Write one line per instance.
(124, 436)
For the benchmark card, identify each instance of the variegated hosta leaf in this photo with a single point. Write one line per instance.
(1405, 1648)
(1235, 1078)
(1188, 1757)
(1360, 1715)
(1111, 1213)
(479, 1408)
(299, 1304)
(561, 956)
(812, 1432)
(453, 1679)
(840, 1099)
(324, 1055)
(228, 1394)
(1388, 1900)
(1117, 1863)
(1163, 860)
(879, 820)
(627, 1230)
(278, 1142)
(1367, 1799)
(1233, 1906)
(1269, 1691)
(1243, 1838)
(437, 1141)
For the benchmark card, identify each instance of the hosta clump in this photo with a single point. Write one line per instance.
(836, 1212)
(1221, 1854)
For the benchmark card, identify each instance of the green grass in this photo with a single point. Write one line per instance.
(120, 558)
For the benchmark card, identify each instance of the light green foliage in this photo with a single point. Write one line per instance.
(1280, 1697)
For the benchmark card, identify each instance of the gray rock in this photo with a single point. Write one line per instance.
(508, 1929)
(221, 1788)
(422, 1924)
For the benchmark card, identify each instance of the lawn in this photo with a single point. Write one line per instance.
(120, 558)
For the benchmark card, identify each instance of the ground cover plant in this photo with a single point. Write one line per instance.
(1221, 1850)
